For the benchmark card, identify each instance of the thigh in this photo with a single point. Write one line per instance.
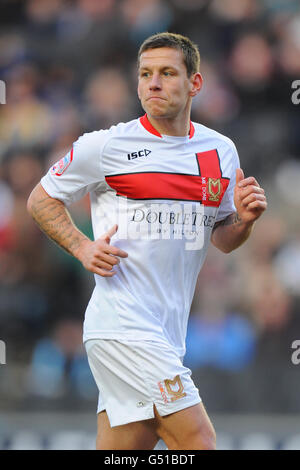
(140, 435)
(134, 376)
(190, 429)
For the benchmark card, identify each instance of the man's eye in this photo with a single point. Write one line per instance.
(145, 74)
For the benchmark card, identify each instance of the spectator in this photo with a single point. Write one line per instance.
(59, 364)
(68, 69)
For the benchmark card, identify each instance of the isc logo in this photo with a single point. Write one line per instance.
(140, 153)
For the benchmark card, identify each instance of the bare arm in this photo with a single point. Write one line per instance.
(230, 233)
(55, 221)
(250, 201)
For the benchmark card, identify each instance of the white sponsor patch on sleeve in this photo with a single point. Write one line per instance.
(60, 167)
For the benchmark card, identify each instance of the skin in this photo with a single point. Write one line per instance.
(188, 429)
(166, 93)
(250, 202)
(51, 215)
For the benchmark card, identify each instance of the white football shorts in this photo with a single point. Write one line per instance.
(132, 376)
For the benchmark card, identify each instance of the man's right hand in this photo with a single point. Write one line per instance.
(99, 256)
(51, 215)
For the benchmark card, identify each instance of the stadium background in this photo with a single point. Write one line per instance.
(69, 67)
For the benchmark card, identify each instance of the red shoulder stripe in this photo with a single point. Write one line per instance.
(209, 164)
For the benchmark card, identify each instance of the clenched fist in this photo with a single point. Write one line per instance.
(249, 198)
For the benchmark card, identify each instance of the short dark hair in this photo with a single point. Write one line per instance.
(189, 49)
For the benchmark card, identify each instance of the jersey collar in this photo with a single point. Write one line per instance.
(148, 126)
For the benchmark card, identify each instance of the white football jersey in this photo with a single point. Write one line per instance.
(165, 193)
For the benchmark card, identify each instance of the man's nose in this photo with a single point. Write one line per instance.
(155, 83)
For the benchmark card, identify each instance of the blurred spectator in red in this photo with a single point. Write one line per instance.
(6, 214)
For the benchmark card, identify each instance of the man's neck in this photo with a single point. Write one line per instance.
(178, 127)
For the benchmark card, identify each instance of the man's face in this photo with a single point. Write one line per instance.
(164, 87)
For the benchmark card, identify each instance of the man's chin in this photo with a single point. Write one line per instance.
(155, 109)
(156, 113)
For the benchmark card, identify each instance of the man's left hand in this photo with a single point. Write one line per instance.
(249, 198)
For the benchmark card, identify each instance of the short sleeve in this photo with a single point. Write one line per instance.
(227, 206)
(79, 171)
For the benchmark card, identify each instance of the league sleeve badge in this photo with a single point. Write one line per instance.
(60, 167)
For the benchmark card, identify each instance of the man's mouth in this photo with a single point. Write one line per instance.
(155, 98)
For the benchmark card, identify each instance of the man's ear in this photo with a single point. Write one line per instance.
(196, 82)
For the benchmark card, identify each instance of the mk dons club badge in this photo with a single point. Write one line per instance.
(214, 189)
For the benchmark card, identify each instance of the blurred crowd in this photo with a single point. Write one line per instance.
(70, 67)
